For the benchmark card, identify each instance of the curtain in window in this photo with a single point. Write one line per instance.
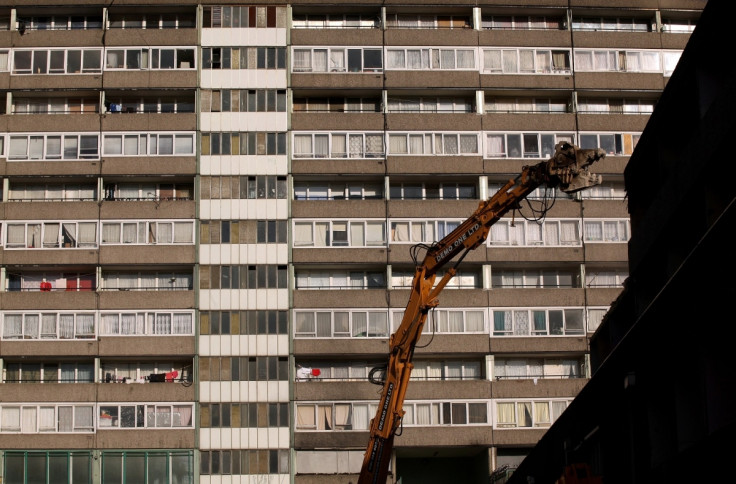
(454, 321)
(48, 326)
(46, 419)
(28, 422)
(13, 326)
(569, 233)
(360, 324)
(320, 60)
(33, 236)
(85, 373)
(110, 233)
(375, 233)
(474, 321)
(182, 416)
(396, 59)
(495, 146)
(541, 414)
(400, 232)
(524, 412)
(521, 322)
(162, 323)
(182, 323)
(65, 416)
(377, 324)
(449, 145)
(85, 324)
(465, 59)
(468, 144)
(87, 234)
(397, 144)
(164, 232)
(343, 416)
(324, 417)
(423, 414)
(418, 232)
(505, 414)
(183, 233)
(31, 326)
(66, 326)
(324, 324)
(557, 409)
(303, 146)
(305, 417)
(502, 322)
(110, 324)
(374, 145)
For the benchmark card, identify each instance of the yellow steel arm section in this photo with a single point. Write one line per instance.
(567, 169)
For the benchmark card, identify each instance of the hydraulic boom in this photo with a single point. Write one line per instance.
(567, 169)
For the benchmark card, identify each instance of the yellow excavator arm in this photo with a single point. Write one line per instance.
(568, 170)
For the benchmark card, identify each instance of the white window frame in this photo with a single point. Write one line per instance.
(522, 322)
(430, 58)
(48, 67)
(76, 328)
(336, 145)
(338, 233)
(150, 58)
(527, 233)
(46, 234)
(504, 60)
(433, 143)
(162, 413)
(536, 415)
(606, 231)
(158, 323)
(147, 232)
(52, 146)
(340, 280)
(149, 143)
(33, 425)
(449, 320)
(331, 59)
(511, 145)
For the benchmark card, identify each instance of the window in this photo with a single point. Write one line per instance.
(526, 61)
(161, 232)
(145, 416)
(337, 145)
(678, 25)
(432, 191)
(448, 321)
(341, 324)
(57, 61)
(463, 279)
(160, 144)
(244, 462)
(424, 21)
(537, 322)
(163, 323)
(522, 22)
(262, 187)
(243, 277)
(617, 144)
(243, 100)
(526, 414)
(340, 280)
(595, 318)
(243, 17)
(606, 231)
(148, 191)
(251, 322)
(318, 190)
(146, 281)
(605, 278)
(430, 59)
(244, 368)
(244, 415)
(614, 105)
(502, 104)
(550, 233)
(337, 104)
(51, 281)
(244, 58)
(412, 231)
(48, 466)
(620, 24)
(524, 145)
(48, 372)
(149, 467)
(250, 143)
(430, 105)
(336, 59)
(339, 233)
(529, 368)
(53, 147)
(122, 371)
(53, 105)
(31, 419)
(150, 20)
(356, 20)
(51, 235)
(535, 279)
(622, 60)
(417, 143)
(154, 58)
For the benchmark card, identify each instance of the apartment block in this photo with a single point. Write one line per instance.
(211, 213)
